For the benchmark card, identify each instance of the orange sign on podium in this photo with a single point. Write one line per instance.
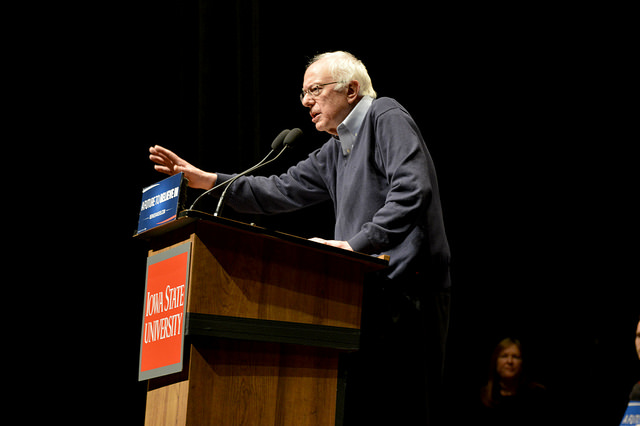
(165, 297)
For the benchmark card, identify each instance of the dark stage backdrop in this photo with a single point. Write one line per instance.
(515, 113)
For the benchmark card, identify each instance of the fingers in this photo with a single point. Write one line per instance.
(157, 149)
(169, 163)
(158, 155)
(340, 244)
(318, 240)
(164, 169)
(158, 159)
(166, 161)
(333, 243)
(162, 165)
(166, 154)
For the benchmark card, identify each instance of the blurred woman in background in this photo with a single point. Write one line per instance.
(509, 397)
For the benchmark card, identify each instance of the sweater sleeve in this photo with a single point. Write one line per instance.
(402, 156)
(301, 186)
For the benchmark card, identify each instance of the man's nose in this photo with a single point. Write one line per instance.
(308, 101)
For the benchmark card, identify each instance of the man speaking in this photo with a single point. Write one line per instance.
(378, 173)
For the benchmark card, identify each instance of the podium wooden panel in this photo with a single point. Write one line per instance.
(268, 316)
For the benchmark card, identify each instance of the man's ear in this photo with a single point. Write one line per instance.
(353, 89)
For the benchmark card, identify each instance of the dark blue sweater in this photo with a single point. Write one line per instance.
(385, 193)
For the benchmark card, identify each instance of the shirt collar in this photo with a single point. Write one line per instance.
(348, 129)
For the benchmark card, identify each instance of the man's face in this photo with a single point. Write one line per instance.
(329, 108)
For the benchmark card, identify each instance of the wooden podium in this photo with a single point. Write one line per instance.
(268, 316)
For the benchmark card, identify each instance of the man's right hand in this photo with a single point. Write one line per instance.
(169, 163)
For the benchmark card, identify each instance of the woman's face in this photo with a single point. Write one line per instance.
(509, 362)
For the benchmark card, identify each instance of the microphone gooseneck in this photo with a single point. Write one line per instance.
(288, 142)
(286, 138)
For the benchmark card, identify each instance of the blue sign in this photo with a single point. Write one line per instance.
(161, 202)
(632, 416)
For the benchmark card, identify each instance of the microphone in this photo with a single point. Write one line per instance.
(291, 138)
(286, 138)
(277, 142)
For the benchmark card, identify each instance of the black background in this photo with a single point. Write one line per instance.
(526, 113)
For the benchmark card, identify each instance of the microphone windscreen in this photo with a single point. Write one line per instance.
(277, 142)
(292, 137)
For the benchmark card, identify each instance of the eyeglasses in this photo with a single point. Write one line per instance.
(315, 90)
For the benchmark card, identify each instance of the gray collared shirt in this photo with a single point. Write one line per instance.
(348, 129)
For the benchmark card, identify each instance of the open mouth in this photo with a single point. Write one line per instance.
(314, 116)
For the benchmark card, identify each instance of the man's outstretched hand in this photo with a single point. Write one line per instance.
(169, 163)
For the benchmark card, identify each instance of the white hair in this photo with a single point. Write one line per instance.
(344, 68)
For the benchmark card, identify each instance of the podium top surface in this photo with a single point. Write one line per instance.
(189, 217)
